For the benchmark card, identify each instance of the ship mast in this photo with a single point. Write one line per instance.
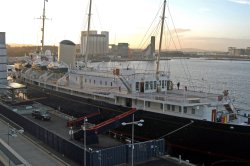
(160, 44)
(87, 37)
(43, 17)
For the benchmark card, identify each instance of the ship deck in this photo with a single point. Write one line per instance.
(173, 96)
(176, 96)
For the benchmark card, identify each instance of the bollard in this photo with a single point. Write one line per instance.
(180, 159)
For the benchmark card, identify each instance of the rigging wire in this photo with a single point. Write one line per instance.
(156, 31)
(98, 15)
(185, 66)
(146, 37)
(143, 39)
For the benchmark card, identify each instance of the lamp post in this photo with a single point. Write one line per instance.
(13, 132)
(100, 157)
(85, 147)
(133, 123)
(71, 132)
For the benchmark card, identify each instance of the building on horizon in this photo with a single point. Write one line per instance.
(248, 51)
(3, 59)
(149, 52)
(121, 50)
(98, 44)
(233, 51)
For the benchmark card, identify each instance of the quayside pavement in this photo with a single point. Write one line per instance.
(29, 148)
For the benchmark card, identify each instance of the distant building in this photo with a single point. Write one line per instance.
(233, 51)
(239, 52)
(113, 49)
(97, 43)
(149, 52)
(3, 59)
(248, 51)
(122, 50)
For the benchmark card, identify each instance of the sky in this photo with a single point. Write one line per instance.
(202, 24)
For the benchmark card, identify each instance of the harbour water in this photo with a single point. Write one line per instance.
(203, 75)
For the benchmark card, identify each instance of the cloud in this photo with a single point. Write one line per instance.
(244, 2)
(181, 30)
(214, 43)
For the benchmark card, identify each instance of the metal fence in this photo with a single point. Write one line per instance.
(143, 151)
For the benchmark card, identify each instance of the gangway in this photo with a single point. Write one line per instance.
(104, 126)
(77, 121)
(228, 108)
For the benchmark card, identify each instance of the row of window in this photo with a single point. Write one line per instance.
(173, 108)
(94, 81)
(150, 85)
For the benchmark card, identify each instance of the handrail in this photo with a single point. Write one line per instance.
(109, 121)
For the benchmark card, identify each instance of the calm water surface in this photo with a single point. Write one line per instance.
(205, 75)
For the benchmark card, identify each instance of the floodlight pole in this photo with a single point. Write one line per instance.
(133, 123)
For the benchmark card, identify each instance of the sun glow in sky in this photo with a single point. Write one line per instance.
(202, 24)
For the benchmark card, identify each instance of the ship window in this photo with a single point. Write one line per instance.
(154, 84)
(135, 101)
(165, 82)
(137, 86)
(146, 85)
(173, 108)
(151, 84)
(168, 106)
(179, 108)
(148, 103)
(105, 82)
(193, 111)
(162, 83)
(111, 84)
(94, 81)
(101, 82)
(76, 78)
(161, 106)
(85, 79)
(185, 110)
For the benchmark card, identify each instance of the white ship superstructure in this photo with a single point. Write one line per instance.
(128, 88)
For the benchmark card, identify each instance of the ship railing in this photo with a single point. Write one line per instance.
(202, 85)
(109, 73)
(139, 76)
(164, 98)
(94, 73)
